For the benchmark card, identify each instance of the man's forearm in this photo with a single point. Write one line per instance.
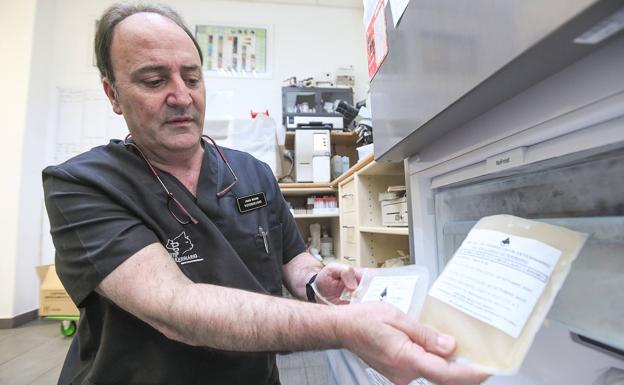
(151, 286)
(232, 319)
(298, 272)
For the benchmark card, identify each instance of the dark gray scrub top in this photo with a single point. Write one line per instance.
(105, 205)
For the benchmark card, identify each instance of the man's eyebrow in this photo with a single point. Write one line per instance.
(148, 69)
(191, 68)
(163, 69)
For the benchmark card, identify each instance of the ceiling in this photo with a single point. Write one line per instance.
(318, 3)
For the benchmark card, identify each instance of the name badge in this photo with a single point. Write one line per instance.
(251, 202)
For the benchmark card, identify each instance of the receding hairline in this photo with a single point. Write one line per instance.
(151, 18)
(118, 12)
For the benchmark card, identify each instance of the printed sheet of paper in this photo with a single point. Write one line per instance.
(397, 291)
(376, 40)
(497, 278)
(398, 8)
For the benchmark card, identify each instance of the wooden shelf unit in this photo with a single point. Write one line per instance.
(359, 238)
(305, 216)
(364, 241)
(299, 192)
(306, 188)
(385, 230)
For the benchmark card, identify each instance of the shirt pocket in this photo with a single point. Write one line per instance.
(268, 269)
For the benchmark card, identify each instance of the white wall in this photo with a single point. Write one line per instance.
(50, 46)
(17, 21)
(28, 253)
(307, 40)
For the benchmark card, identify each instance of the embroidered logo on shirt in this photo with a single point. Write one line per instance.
(179, 246)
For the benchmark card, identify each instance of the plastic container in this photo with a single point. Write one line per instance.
(363, 151)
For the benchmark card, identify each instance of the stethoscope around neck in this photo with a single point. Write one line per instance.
(176, 208)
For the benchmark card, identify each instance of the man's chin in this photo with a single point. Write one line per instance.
(182, 139)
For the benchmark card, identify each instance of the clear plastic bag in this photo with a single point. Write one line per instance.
(404, 287)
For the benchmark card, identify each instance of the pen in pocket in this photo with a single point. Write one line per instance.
(264, 238)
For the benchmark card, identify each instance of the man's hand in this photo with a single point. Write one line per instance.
(334, 278)
(400, 348)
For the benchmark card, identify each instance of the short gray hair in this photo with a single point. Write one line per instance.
(116, 13)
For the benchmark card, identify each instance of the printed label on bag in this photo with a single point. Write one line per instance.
(397, 291)
(496, 278)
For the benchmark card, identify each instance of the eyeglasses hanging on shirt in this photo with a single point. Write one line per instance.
(176, 208)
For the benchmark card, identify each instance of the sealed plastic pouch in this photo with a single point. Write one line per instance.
(404, 287)
(495, 292)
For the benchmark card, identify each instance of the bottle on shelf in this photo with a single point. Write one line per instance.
(327, 245)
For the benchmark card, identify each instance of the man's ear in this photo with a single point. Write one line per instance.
(110, 92)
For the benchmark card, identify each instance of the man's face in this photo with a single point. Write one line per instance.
(158, 87)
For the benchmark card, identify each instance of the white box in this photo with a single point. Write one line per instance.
(363, 151)
(394, 212)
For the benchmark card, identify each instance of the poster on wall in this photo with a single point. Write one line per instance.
(233, 50)
(376, 40)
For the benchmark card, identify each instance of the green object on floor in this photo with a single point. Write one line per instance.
(68, 324)
(68, 328)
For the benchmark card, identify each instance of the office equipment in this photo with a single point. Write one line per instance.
(345, 77)
(312, 155)
(314, 122)
(394, 212)
(313, 107)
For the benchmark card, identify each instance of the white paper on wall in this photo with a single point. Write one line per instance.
(84, 119)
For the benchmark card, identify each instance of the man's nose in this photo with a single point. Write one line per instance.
(179, 94)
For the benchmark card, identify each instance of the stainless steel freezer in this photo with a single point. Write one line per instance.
(516, 107)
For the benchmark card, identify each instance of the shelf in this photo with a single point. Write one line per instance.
(326, 215)
(319, 188)
(355, 168)
(385, 230)
(336, 137)
(306, 188)
(383, 168)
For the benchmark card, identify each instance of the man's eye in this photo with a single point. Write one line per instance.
(192, 82)
(153, 83)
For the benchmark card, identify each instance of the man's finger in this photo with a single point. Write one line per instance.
(428, 338)
(349, 278)
(436, 369)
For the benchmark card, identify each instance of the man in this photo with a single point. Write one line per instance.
(170, 246)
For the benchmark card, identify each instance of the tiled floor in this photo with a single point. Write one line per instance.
(33, 355)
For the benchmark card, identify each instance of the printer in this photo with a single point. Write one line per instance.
(317, 121)
(314, 107)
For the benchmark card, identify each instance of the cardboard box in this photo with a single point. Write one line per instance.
(53, 299)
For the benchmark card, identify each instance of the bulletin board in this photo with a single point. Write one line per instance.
(232, 50)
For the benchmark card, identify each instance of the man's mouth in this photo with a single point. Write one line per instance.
(180, 119)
